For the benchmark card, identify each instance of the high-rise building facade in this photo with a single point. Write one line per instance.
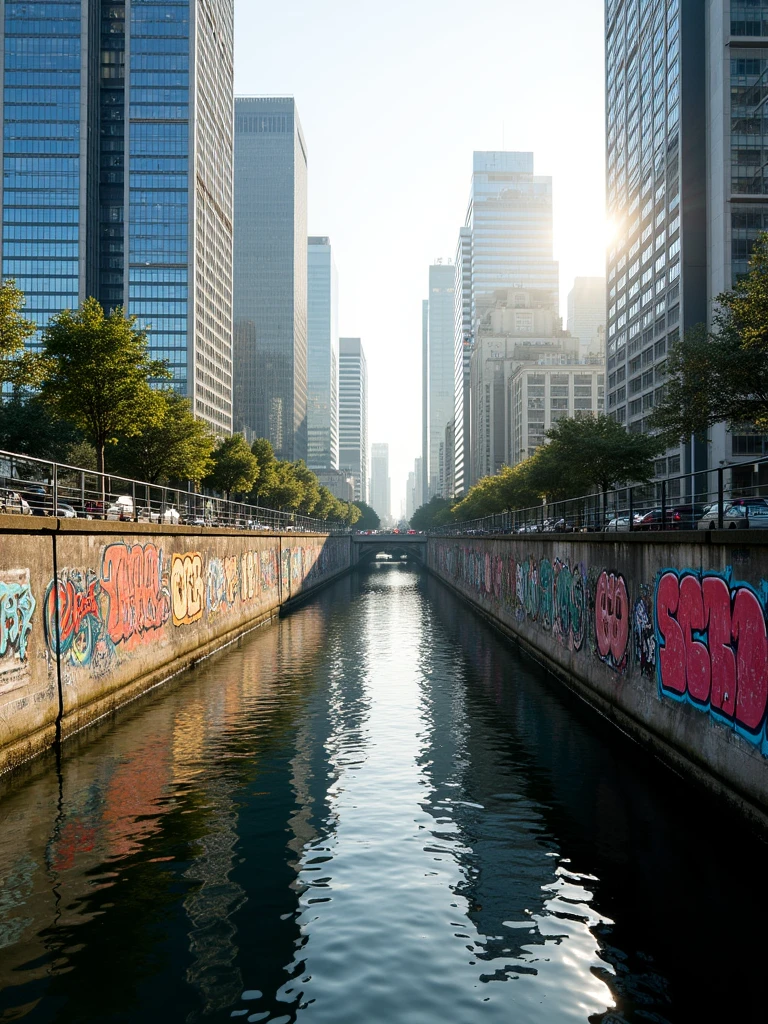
(353, 414)
(657, 196)
(381, 498)
(736, 36)
(270, 275)
(322, 356)
(505, 246)
(117, 152)
(463, 340)
(438, 348)
(586, 314)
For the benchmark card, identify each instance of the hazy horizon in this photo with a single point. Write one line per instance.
(393, 103)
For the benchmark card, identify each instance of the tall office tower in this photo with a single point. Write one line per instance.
(410, 496)
(586, 314)
(509, 217)
(437, 349)
(737, 133)
(657, 198)
(463, 338)
(322, 356)
(418, 490)
(380, 484)
(424, 483)
(353, 414)
(117, 151)
(270, 289)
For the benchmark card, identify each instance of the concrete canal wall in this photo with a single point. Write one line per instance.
(92, 614)
(667, 637)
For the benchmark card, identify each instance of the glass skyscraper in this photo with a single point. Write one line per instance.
(353, 414)
(438, 344)
(462, 354)
(657, 185)
(322, 356)
(270, 277)
(117, 158)
(505, 246)
(381, 500)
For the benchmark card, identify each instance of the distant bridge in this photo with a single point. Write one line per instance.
(366, 546)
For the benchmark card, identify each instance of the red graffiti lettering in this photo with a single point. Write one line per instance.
(714, 645)
(138, 599)
(612, 619)
(74, 606)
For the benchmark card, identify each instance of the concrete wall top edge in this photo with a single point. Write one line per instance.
(735, 538)
(48, 524)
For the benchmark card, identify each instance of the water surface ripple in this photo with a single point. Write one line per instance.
(372, 812)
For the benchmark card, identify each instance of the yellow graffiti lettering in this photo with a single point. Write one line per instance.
(187, 588)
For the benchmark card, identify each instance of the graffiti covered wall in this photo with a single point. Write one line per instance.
(666, 633)
(121, 612)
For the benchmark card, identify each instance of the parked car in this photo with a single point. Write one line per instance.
(12, 503)
(65, 511)
(620, 523)
(36, 496)
(677, 517)
(121, 509)
(737, 514)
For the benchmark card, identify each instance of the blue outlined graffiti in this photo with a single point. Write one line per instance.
(712, 648)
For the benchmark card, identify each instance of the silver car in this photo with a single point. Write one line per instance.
(738, 514)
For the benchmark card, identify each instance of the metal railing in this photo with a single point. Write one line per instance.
(733, 496)
(30, 486)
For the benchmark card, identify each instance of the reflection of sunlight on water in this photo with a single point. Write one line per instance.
(388, 910)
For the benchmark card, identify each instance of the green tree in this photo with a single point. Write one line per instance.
(369, 517)
(177, 447)
(508, 490)
(234, 466)
(326, 503)
(592, 452)
(97, 372)
(265, 456)
(721, 375)
(30, 427)
(310, 488)
(284, 492)
(435, 513)
(15, 331)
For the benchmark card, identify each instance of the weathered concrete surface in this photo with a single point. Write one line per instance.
(666, 635)
(94, 614)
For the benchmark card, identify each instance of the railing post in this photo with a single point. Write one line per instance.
(55, 489)
(133, 499)
(663, 504)
(720, 497)
(631, 524)
(82, 492)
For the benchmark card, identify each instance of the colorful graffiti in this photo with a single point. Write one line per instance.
(82, 639)
(612, 621)
(713, 648)
(223, 583)
(643, 633)
(136, 587)
(187, 588)
(17, 607)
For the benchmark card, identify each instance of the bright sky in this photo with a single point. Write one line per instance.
(393, 98)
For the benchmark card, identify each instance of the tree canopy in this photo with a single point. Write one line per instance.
(176, 447)
(15, 331)
(234, 466)
(721, 374)
(369, 517)
(436, 512)
(96, 374)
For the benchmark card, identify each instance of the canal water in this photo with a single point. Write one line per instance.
(372, 812)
